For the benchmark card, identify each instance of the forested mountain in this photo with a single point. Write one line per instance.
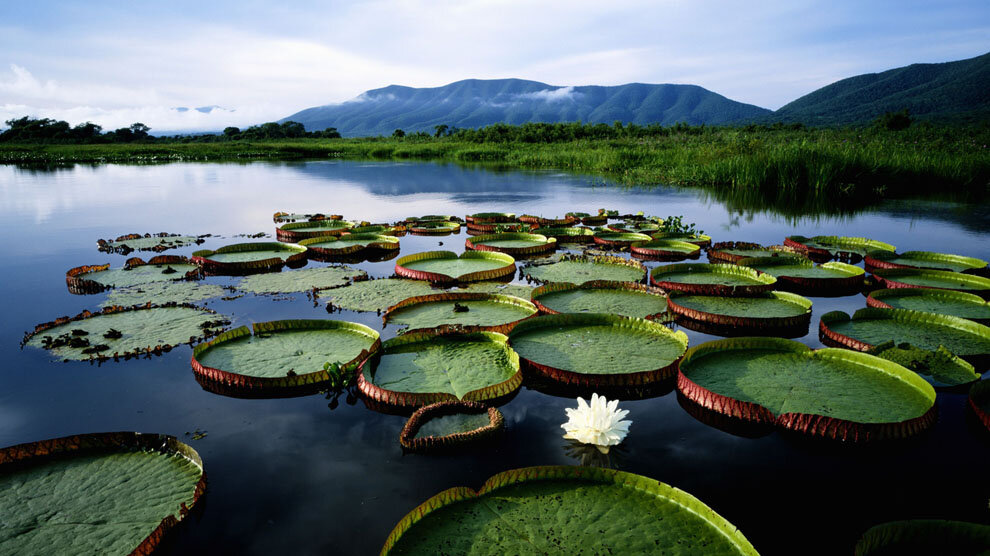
(475, 103)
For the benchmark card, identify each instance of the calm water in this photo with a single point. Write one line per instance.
(294, 476)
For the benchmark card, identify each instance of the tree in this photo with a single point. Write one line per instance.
(398, 134)
(330, 133)
(440, 130)
(231, 131)
(139, 130)
(894, 121)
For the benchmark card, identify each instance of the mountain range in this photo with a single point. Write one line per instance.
(957, 90)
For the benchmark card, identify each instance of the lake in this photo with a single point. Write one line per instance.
(293, 476)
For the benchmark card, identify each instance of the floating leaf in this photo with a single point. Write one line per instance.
(665, 248)
(732, 251)
(767, 311)
(482, 311)
(579, 269)
(620, 239)
(567, 235)
(446, 267)
(515, 244)
(697, 239)
(377, 295)
(712, 279)
(349, 244)
(447, 425)
(281, 217)
(244, 258)
(105, 493)
(823, 248)
(490, 217)
(939, 367)
(305, 280)
(935, 279)
(434, 227)
(565, 510)
(925, 537)
(880, 259)
(295, 231)
(97, 278)
(800, 275)
(162, 293)
(830, 393)
(979, 401)
(145, 242)
(602, 296)
(523, 292)
(944, 302)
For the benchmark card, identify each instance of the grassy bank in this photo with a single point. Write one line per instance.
(780, 164)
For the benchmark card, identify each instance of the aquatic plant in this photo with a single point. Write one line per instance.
(600, 423)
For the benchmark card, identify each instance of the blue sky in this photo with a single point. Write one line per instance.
(119, 62)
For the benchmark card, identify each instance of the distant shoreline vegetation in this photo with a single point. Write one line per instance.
(781, 163)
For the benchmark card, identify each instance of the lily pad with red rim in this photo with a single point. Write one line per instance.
(434, 228)
(284, 354)
(830, 393)
(880, 259)
(490, 217)
(163, 268)
(295, 231)
(544, 222)
(935, 279)
(282, 217)
(577, 269)
(800, 275)
(565, 510)
(769, 311)
(627, 299)
(712, 279)
(447, 425)
(636, 227)
(463, 310)
(596, 349)
(944, 302)
(844, 248)
(247, 258)
(667, 249)
(701, 240)
(348, 244)
(732, 251)
(295, 281)
(145, 242)
(620, 239)
(101, 493)
(515, 244)
(376, 295)
(420, 368)
(447, 267)
(575, 234)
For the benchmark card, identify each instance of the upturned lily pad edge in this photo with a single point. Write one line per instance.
(408, 440)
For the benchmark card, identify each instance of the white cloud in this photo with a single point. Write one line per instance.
(553, 95)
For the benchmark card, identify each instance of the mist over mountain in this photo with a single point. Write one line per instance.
(475, 103)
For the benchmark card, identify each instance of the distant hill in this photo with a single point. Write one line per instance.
(475, 103)
(957, 90)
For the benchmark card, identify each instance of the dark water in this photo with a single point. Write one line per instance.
(291, 476)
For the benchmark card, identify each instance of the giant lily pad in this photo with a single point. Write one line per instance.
(446, 267)
(732, 251)
(281, 217)
(146, 242)
(565, 510)
(924, 259)
(283, 354)
(830, 393)
(523, 292)
(823, 248)
(636, 227)
(541, 221)
(712, 279)
(979, 401)
(490, 217)
(579, 269)
(475, 311)
(349, 244)
(300, 280)
(595, 349)
(295, 231)
(665, 249)
(417, 369)
(925, 537)
(936, 279)
(376, 295)
(125, 332)
(944, 302)
(939, 367)
(620, 239)
(800, 275)
(589, 219)
(97, 278)
(434, 228)
(869, 327)
(567, 235)
(602, 296)
(246, 258)
(430, 218)
(515, 244)
(451, 424)
(766, 311)
(162, 293)
(104, 493)
(701, 240)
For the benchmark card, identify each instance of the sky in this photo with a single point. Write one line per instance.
(115, 63)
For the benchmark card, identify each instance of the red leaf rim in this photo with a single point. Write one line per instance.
(381, 245)
(104, 244)
(980, 392)
(568, 472)
(712, 289)
(644, 249)
(611, 238)
(572, 378)
(115, 442)
(567, 235)
(717, 251)
(475, 243)
(393, 398)
(408, 440)
(701, 240)
(503, 328)
(617, 227)
(802, 320)
(287, 233)
(437, 278)
(490, 218)
(832, 338)
(813, 425)
(598, 259)
(436, 227)
(77, 283)
(148, 350)
(554, 287)
(594, 220)
(280, 217)
(493, 228)
(816, 254)
(210, 266)
(852, 282)
(233, 381)
(875, 301)
(886, 279)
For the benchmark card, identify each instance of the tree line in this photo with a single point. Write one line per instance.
(47, 130)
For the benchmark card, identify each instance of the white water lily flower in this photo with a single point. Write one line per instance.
(599, 423)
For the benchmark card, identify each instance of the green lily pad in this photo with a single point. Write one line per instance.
(512, 243)
(523, 292)
(283, 353)
(801, 275)
(697, 239)
(457, 423)
(376, 295)
(924, 259)
(565, 510)
(937, 279)
(870, 327)
(295, 231)
(840, 247)
(732, 251)
(145, 242)
(641, 227)
(162, 293)
(434, 227)
(598, 349)
(944, 302)
(939, 367)
(828, 392)
(141, 330)
(450, 424)
(579, 269)
(429, 218)
(249, 257)
(925, 537)
(132, 274)
(567, 235)
(417, 369)
(109, 493)
(620, 238)
(292, 281)
(349, 243)
(665, 248)
(490, 217)
(599, 296)
(448, 267)
(711, 279)
(475, 310)
(766, 310)
(281, 217)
